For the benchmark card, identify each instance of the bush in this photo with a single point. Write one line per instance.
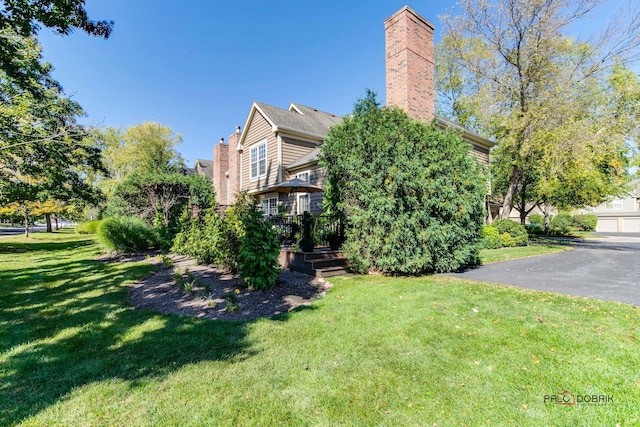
(585, 222)
(536, 219)
(490, 237)
(412, 196)
(88, 227)
(125, 235)
(516, 232)
(507, 241)
(259, 250)
(561, 223)
(534, 229)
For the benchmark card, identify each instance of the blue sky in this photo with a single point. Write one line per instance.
(196, 66)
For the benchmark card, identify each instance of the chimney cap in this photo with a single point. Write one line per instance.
(221, 141)
(238, 129)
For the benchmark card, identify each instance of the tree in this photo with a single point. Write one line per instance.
(510, 69)
(43, 152)
(147, 148)
(412, 196)
(20, 20)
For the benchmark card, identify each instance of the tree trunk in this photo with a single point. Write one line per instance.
(26, 225)
(507, 204)
(57, 222)
(547, 219)
(47, 217)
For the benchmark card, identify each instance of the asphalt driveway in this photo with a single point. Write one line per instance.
(606, 269)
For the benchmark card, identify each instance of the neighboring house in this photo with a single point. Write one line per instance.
(620, 214)
(279, 144)
(204, 168)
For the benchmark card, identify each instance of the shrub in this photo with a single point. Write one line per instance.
(259, 250)
(412, 196)
(87, 227)
(536, 219)
(507, 241)
(585, 222)
(490, 237)
(534, 229)
(561, 223)
(517, 232)
(125, 235)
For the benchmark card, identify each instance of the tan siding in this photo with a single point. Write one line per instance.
(257, 131)
(482, 154)
(293, 149)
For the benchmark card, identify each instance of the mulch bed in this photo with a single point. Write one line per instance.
(219, 295)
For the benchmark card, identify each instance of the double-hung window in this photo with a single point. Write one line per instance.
(258, 160)
(614, 205)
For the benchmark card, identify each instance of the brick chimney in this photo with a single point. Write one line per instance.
(220, 168)
(234, 166)
(410, 64)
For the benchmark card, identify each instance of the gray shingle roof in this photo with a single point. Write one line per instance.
(205, 167)
(310, 157)
(300, 118)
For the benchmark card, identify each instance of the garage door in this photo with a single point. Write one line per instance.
(632, 225)
(607, 225)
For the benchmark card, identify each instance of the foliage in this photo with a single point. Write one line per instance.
(586, 222)
(161, 197)
(21, 20)
(44, 156)
(259, 251)
(560, 108)
(536, 219)
(88, 227)
(490, 237)
(561, 223)
(412, 196)
(125, 235)
(145, 149)
(511, 233)
(211, 240)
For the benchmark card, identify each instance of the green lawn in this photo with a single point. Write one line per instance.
(374, 351)
(488, 256)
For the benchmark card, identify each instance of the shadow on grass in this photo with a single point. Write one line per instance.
(68, 324)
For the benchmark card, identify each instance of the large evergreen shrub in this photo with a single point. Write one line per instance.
(561, 223)
(412, 195)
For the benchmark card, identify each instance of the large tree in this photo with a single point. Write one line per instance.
(44, 154)
(510, 69)
(144, 149)
(412, 196)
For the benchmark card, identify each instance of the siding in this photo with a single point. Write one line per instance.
(481, 154)
(257, 130)
(316, 177)
(293, 149)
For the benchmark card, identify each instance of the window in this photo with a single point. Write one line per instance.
(270, 206)
(303, 176)
(615, 204)
(258, 160)
(303, 203)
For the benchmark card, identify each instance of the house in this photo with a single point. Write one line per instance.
(620, 214)
(204, 168)
(278, 144)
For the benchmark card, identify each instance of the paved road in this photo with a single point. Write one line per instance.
(606, 269)
(8, 231)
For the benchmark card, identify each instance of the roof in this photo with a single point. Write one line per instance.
(307, 159)
(468, 135)
(205, 167)
(297, 120)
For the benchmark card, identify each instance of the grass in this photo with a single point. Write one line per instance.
(374, 351)
(488, 256)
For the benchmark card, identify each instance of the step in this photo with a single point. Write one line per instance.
(321, 255)
(328, 262)
(331, 271)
